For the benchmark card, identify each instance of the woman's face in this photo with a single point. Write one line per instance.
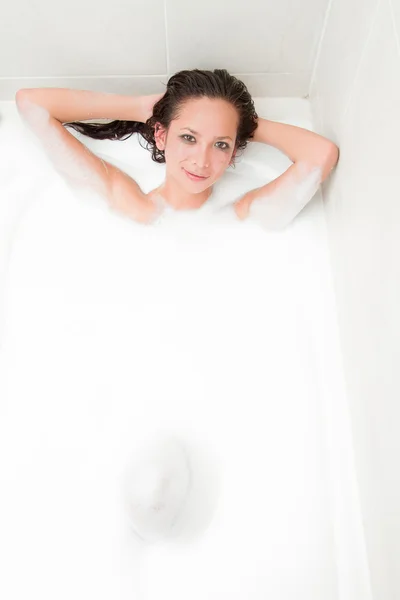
(206, 150)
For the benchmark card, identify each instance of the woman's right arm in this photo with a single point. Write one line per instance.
(81, 167)
(67, 105)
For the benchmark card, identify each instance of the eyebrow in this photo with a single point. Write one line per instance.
(221, 137)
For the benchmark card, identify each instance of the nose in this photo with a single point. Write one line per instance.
(202, 158)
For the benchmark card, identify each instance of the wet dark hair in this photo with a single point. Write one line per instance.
(182, 86)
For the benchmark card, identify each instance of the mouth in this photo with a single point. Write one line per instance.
(194, 177)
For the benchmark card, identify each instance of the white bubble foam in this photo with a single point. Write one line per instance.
(277, 209)
(72, 168)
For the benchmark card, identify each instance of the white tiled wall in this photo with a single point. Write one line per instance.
(355, 96)
(133, 47)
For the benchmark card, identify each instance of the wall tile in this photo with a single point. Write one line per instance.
(293, 85)
(363, 216)
(248, 37)
(272, 85)
(395, 9)
(271, 46)
(134, 85)
(343, 43)
(43, 39)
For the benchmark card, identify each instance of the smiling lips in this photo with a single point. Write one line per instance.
(193, 176)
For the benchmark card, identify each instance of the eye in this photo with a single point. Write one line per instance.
(226, 147)
(186, 135)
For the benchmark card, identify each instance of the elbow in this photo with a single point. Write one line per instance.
(20, 95)
(325, 159)
(331, 160)
(328, 160)
(22, 100)
(333, 154)
(326, 153)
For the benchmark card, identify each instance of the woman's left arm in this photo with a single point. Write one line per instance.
(297, 143)
(309, 152)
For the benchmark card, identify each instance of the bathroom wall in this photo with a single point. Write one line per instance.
(133, 47)
(355, 98)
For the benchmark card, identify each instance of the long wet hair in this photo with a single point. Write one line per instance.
(182, 86)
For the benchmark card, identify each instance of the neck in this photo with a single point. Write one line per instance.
(179, 198)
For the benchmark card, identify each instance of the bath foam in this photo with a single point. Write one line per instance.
(156, 487)
(277, 209)
(244, 289)
(85, 183)
(171, 488)
(272, 212)
(75, 172)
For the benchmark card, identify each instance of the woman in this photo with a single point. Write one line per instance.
(196, 127)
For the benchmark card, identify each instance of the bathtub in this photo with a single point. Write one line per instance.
(216, 338)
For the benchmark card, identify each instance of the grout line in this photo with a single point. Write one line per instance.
(136, 75)
(79, 77)
(363, 52)
(396, 33)
(319, 48)
(268, 72)
(166, 39)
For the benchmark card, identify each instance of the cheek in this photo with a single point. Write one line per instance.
(175, 152)
(221, 161)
